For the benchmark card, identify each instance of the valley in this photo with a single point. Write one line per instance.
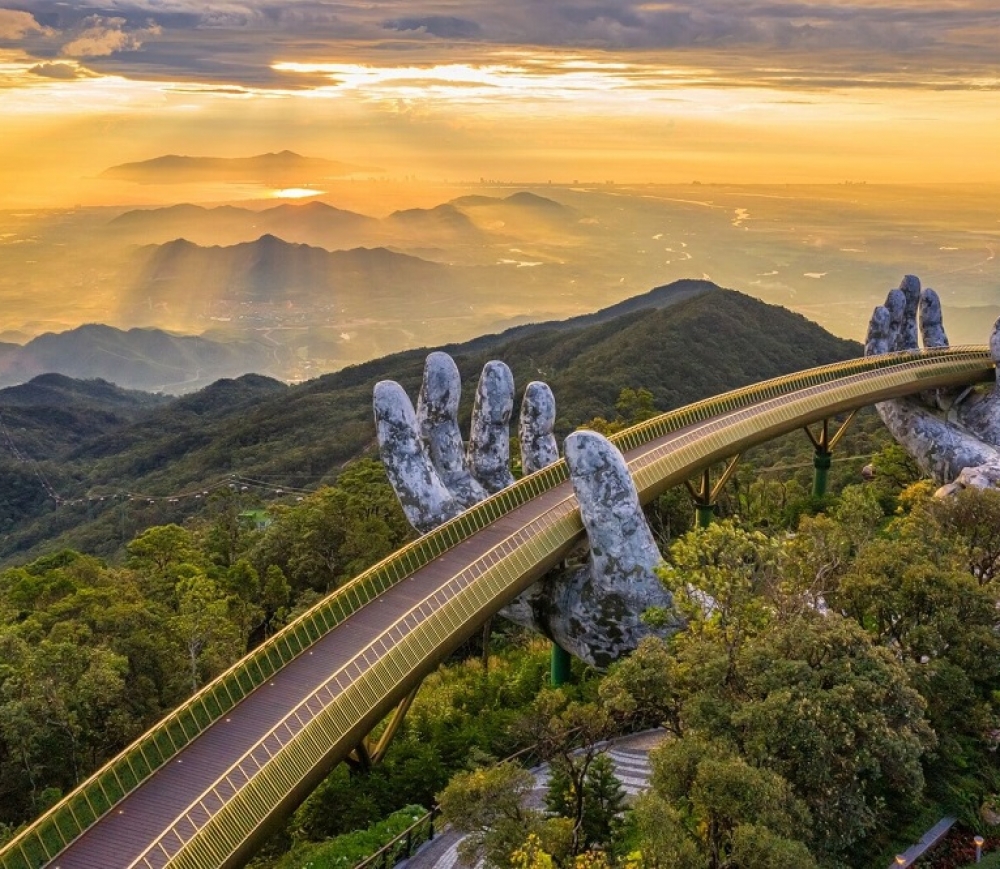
(301, 288)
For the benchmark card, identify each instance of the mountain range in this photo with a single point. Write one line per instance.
(282, 168)
(464, 220)
(683, 342)
(146, 359)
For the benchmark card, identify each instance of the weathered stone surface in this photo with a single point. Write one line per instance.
(910, 288)
(895, 304)
(878, 332)
(931, 320)
(535, 430)
(952, 435)
(489, 439)
(437, 416)
(982, 411)
(424, 498)
(605, 612)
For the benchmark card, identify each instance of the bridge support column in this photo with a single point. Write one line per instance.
(706, 495)
(559, 666)
(824, 443)
(821, 470)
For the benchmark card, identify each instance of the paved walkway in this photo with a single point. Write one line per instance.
(631, 758)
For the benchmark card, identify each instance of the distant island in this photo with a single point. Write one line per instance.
(284, 167)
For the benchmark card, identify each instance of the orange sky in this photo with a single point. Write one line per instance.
(523, 90)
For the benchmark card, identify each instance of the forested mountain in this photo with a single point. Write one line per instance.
(681, 342)
(180, 282)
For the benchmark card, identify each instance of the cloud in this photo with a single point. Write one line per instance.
(15, 24)
(62, 71)
(101, 37)
(239, 42)
(442, 26)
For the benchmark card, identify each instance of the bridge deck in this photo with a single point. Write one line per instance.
(122, 837)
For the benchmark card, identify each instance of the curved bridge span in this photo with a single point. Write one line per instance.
(203, 787)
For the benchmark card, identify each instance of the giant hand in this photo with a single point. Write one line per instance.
(953, 435)
(593, 612)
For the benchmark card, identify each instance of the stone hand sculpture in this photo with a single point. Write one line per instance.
(953, 435)
(593, 612)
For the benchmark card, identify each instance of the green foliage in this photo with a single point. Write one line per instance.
(346, 851)
(302, 435)
(488, 806)
(335, 533)
(776, 708)
(641, 689)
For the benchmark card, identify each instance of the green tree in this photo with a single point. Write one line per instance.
(155, 555)
(245, 598)
(714, 793)
(276, 595)
(641, 690)
(603, 803)
(568, 734)
(202, 626)
(488, 805)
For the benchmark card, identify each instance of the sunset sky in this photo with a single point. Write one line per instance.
(526, 90)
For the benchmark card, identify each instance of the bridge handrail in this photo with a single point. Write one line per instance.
(55, 829)
(643, 432)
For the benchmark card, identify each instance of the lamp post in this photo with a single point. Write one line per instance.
(900, 860)
(979, 847)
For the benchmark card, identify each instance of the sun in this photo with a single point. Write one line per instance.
(296, 193)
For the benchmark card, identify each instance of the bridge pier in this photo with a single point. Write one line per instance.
(706, 496)
(560, 663)
(824, 444)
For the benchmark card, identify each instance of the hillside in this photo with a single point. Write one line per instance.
(702, 344)
(146, 359)
(313, 223)
(182, 283)
(316, 223)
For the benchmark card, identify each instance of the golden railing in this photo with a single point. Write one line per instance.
(319, 729)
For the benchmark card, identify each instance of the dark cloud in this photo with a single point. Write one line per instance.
(442, 26)
(234, 42)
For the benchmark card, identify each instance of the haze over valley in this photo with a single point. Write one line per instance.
(301, 287)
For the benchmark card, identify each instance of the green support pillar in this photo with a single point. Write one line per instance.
(705, 513)
(706, 495)
(559, 663)
(824, 443)
(821, 470)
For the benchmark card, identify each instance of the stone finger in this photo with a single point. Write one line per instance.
(981, 413)
(877, 341)
(437, 418)
(932, 320)
(489, 438)
(895, 304)
(535, 429)
(622, 583)
(425, 500)
(910, 288)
